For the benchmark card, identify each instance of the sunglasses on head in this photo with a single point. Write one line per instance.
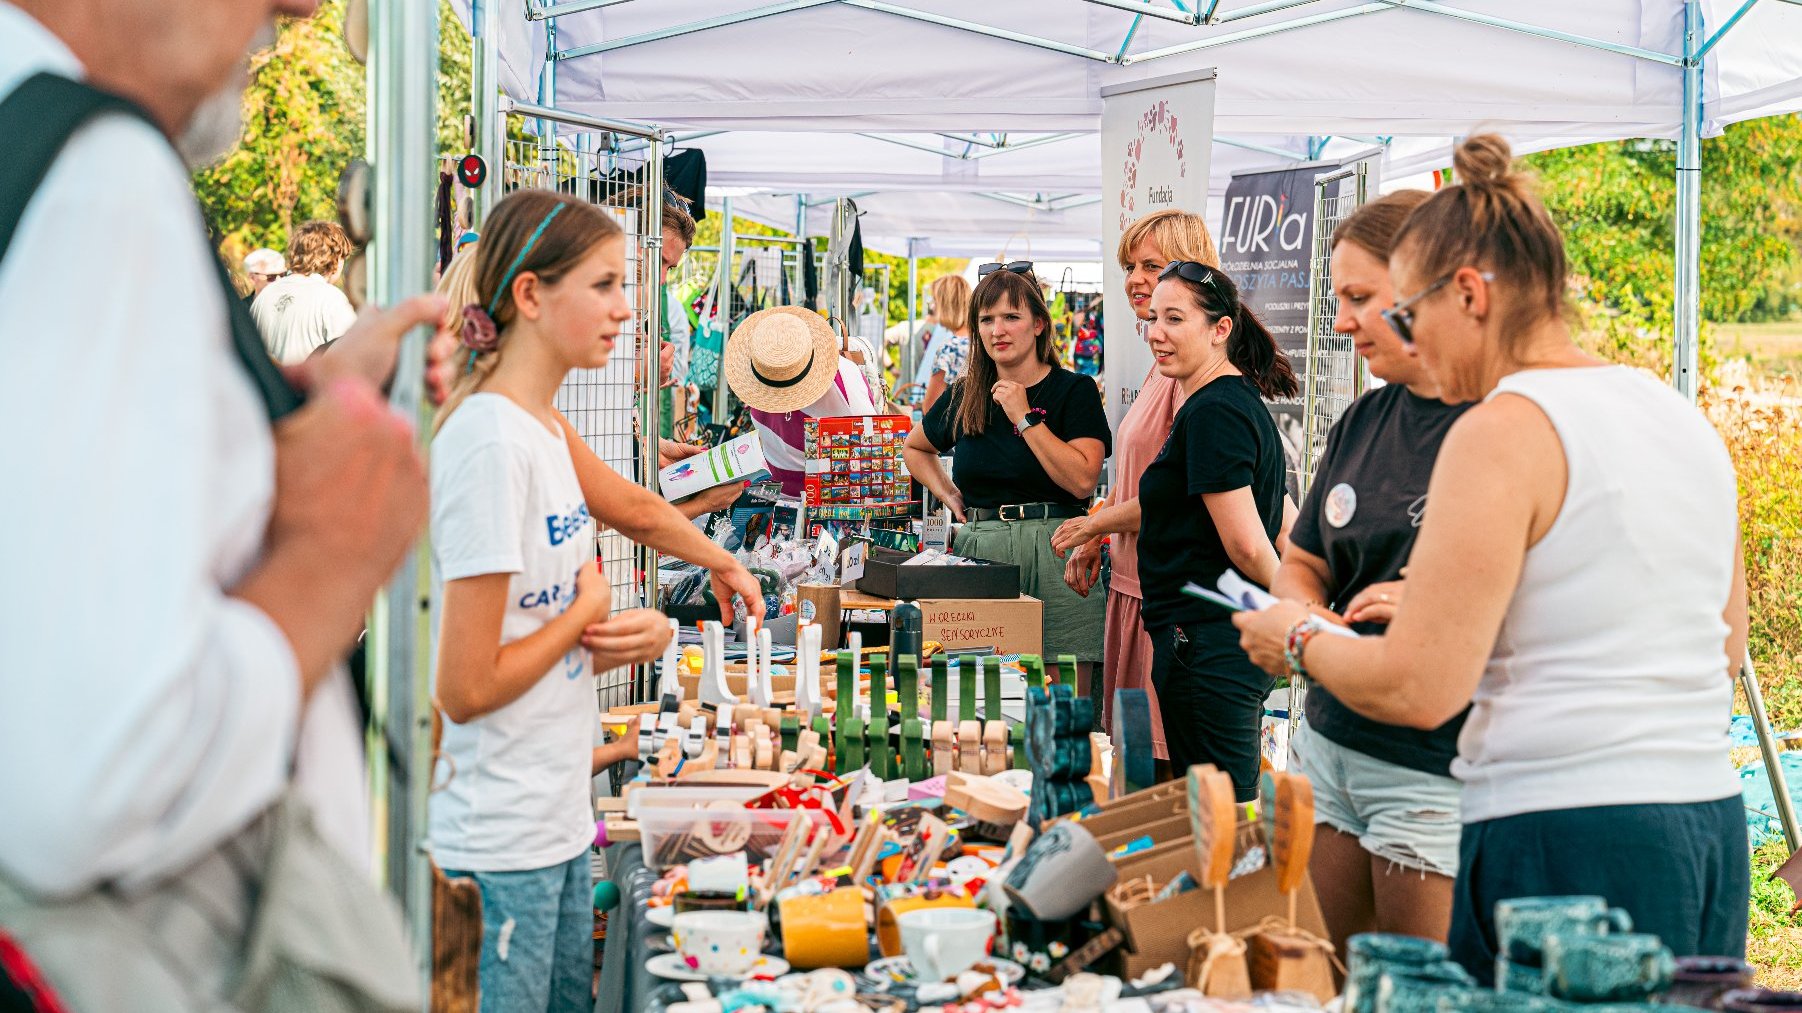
(1401, 315)
(1189, 270)
(1014, 267)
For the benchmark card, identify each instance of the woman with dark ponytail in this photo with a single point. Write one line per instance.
(1213, 500)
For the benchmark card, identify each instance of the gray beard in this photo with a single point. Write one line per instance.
(215, 128)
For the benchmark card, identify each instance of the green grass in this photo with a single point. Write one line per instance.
(1773, 938)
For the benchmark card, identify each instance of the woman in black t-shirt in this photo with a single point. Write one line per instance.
(1385, 792)
(1027, 438)
(1212, 500)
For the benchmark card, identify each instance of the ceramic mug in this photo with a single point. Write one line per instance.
(1062, 871)
(1390, 948)
(1522, 923)
(945, 942)
(1614, 968)
(825, 930)
(1518, 978)
(1402, 992)
(703, 900)
(723, 944)
(889, 912)
(1500, 1002)
(722, 874)
(1362, 984)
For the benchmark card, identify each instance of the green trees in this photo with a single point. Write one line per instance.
(1615, 201)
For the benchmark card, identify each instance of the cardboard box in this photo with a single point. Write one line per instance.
(1010, 626)
(1139, 811)
(1159, 932)
(885, 576)
(819, 603)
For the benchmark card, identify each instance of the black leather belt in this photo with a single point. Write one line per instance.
(1025, 512)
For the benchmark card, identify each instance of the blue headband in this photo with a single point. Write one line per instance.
(507, 279)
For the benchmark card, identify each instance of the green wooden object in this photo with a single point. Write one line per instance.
(1034, 666)
(847, 707)
(941, 689)
(877, 748)
(991, 689)
(966, 691)
(907, 685)
(791, 732)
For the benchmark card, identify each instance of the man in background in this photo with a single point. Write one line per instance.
(306, 309)
(262, 268)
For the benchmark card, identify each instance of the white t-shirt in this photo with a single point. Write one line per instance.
(516, 781)
(298, 314)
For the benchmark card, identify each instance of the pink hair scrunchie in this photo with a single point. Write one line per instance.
(478, 333)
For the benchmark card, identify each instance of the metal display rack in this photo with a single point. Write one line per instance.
(1335, 376)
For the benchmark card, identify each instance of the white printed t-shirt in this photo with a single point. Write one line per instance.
(505, 500)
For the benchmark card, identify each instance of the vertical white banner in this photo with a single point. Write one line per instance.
(1156, 139)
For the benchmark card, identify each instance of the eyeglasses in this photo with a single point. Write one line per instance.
(1401, 317)
(1013, 267)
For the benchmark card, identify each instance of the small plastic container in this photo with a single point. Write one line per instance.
(673, 833)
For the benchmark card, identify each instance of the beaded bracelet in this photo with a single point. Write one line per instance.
(1295, 643)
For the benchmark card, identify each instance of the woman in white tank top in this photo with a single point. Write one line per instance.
(1578, 582)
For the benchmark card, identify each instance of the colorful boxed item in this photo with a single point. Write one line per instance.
(854, 464)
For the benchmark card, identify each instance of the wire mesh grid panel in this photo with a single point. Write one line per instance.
(1335, 377)
(606, 406)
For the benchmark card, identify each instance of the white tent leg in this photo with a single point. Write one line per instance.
(485, 93)
(403, 74)
(1687, 312)
(724, 308)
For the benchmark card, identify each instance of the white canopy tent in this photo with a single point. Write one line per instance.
(1543, 72)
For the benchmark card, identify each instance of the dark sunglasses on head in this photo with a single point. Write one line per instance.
(1189, 270)
(1401, 316)
(1015, 267)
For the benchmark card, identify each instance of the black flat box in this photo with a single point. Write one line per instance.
(885, 577)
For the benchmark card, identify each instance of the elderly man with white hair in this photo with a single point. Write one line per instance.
(262, 268)
(195, 539)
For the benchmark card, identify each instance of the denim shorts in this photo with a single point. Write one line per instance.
(537, 938)
(1406, 817)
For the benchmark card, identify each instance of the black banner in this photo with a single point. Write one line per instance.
(1266, 245)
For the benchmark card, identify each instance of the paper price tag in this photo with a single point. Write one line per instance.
(936, 533)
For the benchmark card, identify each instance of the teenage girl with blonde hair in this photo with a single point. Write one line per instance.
(524, 618)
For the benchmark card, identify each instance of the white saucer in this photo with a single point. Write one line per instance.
(662, 917)
(902, 969)
(673, 967)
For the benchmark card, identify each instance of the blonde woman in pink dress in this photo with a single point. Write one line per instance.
(1146, 246)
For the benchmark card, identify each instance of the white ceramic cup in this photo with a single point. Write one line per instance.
(944, 942)
(719, 943)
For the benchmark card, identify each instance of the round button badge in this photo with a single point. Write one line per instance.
(1341, 505)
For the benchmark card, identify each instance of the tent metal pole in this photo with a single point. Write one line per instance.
(547, 97)
(1261, 31)
(1724, 29)
(970, 26)
(403, 88)
(597, 123)
(723, 306)
(1142, 9)
(1127, 42)
(485, 96)
(677, 31)
(1767, 744)
(1687, 278)
(1259, 9)
(537, 11)
(1432, 7)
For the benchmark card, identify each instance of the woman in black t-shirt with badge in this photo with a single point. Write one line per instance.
(1385, 792)
(1027, 438)
(1212, 500)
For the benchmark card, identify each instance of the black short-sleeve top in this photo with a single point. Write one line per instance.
(995, 467)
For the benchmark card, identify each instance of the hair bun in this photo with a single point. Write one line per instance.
(1483, 160)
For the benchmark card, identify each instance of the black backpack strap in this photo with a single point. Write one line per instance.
(37, 120)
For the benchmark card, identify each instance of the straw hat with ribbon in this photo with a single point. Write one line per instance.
(781, 359)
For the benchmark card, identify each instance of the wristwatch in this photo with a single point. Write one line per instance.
(1031, 419)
